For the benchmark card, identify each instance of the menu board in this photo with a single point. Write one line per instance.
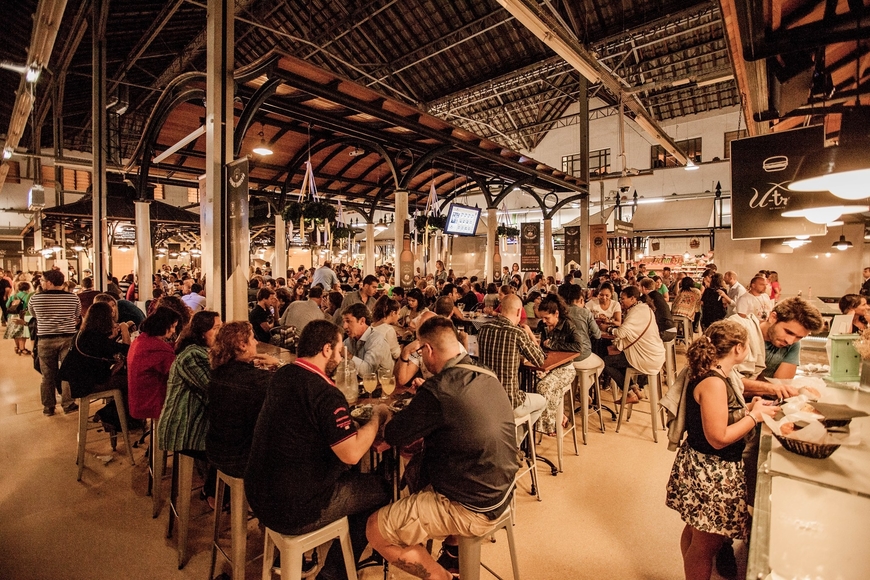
(530, 247)
(462, 220)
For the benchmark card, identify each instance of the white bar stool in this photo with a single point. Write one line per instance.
(85, 412)
(179, 502)
(156, 469)
(684, 324)
(572, 428)
(670, 362)
(653, 389)
(291, 549)
(588, 370)
(531, 457)
(469, 549)
(238, 524)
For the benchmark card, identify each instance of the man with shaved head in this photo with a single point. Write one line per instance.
(501, 343)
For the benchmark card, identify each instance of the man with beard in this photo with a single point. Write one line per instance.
(299, 477)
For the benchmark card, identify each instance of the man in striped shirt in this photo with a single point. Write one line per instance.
(57, 315)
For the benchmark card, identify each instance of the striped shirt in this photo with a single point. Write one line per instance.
(56, 312)
(501, 344)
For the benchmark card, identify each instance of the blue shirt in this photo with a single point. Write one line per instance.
(776, 356)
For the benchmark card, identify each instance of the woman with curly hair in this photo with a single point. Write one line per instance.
(236, 393)
(707, 485)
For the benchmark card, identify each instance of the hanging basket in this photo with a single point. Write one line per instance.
(655, 244)
(694, 243)
(433, 222)
(504, 231)
(341, 232)
(318, 211)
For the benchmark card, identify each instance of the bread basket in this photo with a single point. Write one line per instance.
(814, 450)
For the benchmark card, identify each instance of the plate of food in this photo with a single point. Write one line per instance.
(362, 413)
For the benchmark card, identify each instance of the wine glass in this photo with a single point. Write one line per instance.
(388, 383)
(370, 382)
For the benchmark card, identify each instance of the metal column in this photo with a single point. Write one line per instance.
(99, 229)
(491, 243)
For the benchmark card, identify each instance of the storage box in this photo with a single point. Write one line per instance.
(845, 360)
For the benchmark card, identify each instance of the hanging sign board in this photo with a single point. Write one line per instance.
(572, 244)
(530, 247)
(598, 243)
(761, 169)
(237, 220)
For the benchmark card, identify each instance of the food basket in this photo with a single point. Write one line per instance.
(814, 450)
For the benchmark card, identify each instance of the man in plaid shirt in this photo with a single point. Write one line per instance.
(501, 345)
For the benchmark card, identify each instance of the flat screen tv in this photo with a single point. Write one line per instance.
(462, 220)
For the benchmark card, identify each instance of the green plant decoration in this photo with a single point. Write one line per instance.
(433, 222)
(507, 231)
(318, 211)
(341, 232)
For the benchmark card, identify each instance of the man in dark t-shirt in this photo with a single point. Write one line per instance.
(298, 477)
(261, 317)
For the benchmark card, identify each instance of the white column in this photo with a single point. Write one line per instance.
(369, 266)
(144, 262)
(548, 265)
(279, 263)
(37, 243)
(491, 242)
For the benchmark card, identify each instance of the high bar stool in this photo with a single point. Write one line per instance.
(291, 549)
(85, 412)
(531, 456)
(562, 431)
(238, 524)
(179, 502)
(469, 549)
(653, 387)
(670, 362)
(684, 326)
(588, 371)
(156, 469)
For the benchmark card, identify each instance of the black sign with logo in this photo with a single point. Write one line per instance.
(530, 247)
(572, 244)
(761, 169)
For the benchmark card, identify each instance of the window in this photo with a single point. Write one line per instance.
(661, 158)
(76, 180)
(731, 136)
(193, 195)
(599, 162)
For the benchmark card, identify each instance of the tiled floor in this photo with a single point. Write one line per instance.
(603, 518)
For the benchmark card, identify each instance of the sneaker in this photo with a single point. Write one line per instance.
(73, 407)
(726, 564)
(48, 411)
(449, 561)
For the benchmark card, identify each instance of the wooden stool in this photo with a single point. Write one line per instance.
(531, 462)
(653, 387)
(85, 412)
(238, 524)
(291, 549)
(587, 378)
(684, 325)
(562, 431)
(670, 362)
(469, 549)
(179, 502)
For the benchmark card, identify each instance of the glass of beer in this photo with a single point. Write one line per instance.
(388, 383)
(370, 382)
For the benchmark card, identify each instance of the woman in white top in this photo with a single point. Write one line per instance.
(637, 339)
(605, 309)
(384, 315)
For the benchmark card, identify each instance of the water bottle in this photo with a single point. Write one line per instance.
(346, 381)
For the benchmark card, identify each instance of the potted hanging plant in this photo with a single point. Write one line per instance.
(340, 232)
(318, 211)
(504, 231)
(433, 222)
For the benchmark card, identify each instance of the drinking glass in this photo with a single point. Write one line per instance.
(388, 383)
(370, 382)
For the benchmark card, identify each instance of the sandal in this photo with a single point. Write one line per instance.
(26, 352)
(17, 350)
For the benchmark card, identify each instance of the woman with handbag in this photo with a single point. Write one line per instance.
(707, 485)
(95, 361)
(16, 309)
(636, 342)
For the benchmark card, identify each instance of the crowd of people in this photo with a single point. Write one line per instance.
(289, 432)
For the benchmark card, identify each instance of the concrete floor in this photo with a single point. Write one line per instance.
(603, 518)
